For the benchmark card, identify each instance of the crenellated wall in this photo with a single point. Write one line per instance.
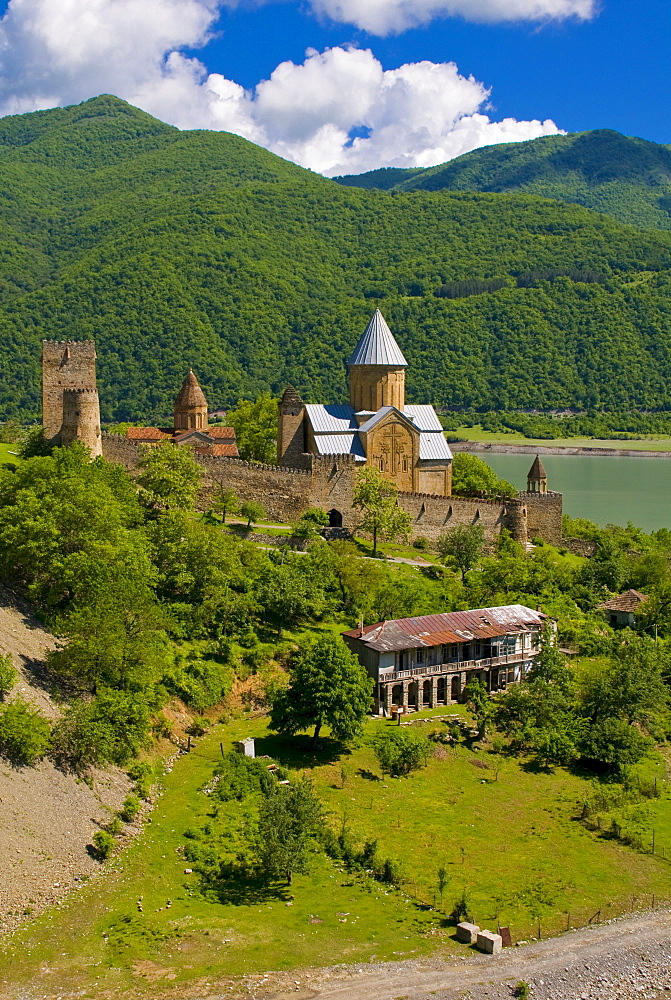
(328, 482)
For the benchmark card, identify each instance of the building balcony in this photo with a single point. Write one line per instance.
(436, 669)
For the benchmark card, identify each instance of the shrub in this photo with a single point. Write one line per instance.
(24, 733)
(103, 844)
(420, 543)
(112, 728)
(130, 809)
(523, 990)
(8, 675)
(461, 909)
(400, 751)
(114, 827)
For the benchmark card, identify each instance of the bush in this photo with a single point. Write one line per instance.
(130, 809)
(420, 543)
(523, 990)
(103, 844)
(114, 827)
(110, 729)
(400, 751)
(8, 675)
(24, 733)
(461, 909)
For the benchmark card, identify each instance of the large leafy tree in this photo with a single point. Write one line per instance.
(462, 546)
(289, 819)
(63, 520)
(169, 477)
(328, 687)
(255, 426)
(377, 500)
(473, 477)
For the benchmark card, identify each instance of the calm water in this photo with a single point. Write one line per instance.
(606, 490)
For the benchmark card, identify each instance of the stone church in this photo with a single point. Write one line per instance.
(405, 442)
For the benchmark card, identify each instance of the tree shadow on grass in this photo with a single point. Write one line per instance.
(298, 753)
(245, 890)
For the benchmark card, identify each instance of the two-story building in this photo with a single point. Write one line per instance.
(424, 662)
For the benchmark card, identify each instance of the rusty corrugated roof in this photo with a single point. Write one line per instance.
(453, 626)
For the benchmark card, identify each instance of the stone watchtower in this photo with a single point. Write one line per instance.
(537, 477)
(291, 429)
(70, 406)
(377, 369)
(190, 406)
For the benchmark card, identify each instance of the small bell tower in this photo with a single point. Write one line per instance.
(537, 477)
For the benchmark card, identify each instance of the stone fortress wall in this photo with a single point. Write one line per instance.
(70, 406)
(328, 481)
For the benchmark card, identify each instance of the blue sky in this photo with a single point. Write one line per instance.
(611, 72)
(347, 85)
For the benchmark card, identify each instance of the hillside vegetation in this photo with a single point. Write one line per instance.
(626, 177)
(198, 248)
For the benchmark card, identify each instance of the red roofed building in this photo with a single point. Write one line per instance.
(190, 425)
(622, 609)
(427, 661)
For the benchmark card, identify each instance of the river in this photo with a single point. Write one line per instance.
(606, 490)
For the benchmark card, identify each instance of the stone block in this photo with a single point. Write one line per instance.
(467, 933)
(489, 942)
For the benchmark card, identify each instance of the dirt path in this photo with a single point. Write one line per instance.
(629, 957)
(46, 817)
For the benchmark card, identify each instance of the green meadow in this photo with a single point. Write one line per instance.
(508, 836)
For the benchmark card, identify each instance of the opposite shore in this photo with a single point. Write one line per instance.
(538, 449)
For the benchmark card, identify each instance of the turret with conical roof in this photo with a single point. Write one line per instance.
(537, 477)
(190, 406)
(377, 369)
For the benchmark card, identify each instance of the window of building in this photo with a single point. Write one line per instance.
(405, 464)
(381, 465)
(419, 656)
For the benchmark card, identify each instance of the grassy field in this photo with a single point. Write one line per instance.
(476, 433)
(507, 835)
(5, 453)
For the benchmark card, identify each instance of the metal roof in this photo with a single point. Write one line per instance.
(340, 444)
(331, 418)
(453, 626)
(424, 417)
(377, 346)
(377, 417)
(433, 445)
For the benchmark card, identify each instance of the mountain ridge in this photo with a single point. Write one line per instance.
(199, 249)
(623, 176)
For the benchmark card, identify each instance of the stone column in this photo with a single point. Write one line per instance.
(387, 698)
(404, 695)
(434, 692)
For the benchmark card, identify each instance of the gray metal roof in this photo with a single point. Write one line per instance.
(333, 418)
(377, 417)
(423, 416)
(340, 444)
(433, 445)
(377, 346)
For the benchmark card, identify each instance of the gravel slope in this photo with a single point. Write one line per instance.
(46, 817)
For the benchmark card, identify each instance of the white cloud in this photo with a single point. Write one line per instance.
(337, 112)
(386, 17)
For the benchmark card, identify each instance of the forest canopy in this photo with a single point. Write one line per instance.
(175, 249)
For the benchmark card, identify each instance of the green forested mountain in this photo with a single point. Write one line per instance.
(628, 178)
(198, 248)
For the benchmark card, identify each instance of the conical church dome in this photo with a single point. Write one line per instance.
(190, 394)
(377, 346)
(190, 406)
